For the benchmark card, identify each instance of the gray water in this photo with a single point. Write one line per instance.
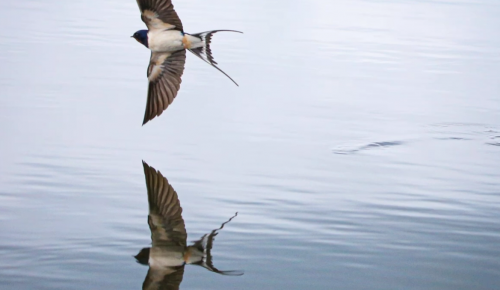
(361, 150)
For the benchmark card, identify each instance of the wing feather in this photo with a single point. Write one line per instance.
(165, 211)
(159, 14)
(163, 278)
(164, 74)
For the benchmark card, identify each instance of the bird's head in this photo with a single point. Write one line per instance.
(142, 37)
(143, 256)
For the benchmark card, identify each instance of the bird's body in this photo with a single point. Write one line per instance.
(165, 40)
(168, 42)
(172, 40)
(161, 257)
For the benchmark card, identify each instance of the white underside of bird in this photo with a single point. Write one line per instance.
(174, 256)
(166, 257)
(172, 40)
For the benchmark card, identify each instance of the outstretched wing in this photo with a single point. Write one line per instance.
(165, 211)
(164, 75)
(159, 14)
(163, 278)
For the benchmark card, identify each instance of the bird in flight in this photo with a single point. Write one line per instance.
(169, 252)
(168, 42)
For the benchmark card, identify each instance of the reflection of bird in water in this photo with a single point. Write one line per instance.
(169, 252)
(168, 42)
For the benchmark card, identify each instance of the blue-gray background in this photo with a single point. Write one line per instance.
(361, 150)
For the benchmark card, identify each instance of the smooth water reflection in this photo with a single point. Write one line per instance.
(169, 252)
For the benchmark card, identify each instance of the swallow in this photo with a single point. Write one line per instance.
(169, 252)
(168, 42)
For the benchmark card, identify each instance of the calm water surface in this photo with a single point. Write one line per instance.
(361, 150)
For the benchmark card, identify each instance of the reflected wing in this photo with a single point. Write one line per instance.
(163, 278)
(205, 245)
(159, 14)
(164, 74)
(165, 212)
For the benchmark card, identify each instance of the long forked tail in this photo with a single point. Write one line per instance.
(203, 50)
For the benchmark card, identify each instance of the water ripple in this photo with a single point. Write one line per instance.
(374, 145)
